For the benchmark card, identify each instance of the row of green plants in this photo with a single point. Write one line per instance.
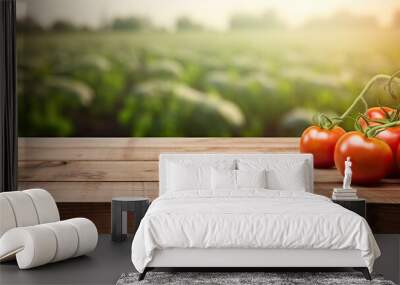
(192, 84)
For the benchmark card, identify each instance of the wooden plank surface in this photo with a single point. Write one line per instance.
(147, 171)
(98, 213)
(94, 191)
(101, 166)
(384, 218)
(106, 149)
(83, 174)
(87, 170)
(104, 191)
(38, 170)
(118, 143)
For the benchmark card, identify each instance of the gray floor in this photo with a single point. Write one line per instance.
(103, 266)
(111, 259)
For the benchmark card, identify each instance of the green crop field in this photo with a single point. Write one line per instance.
(195, 83)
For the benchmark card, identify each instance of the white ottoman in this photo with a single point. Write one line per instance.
(31, 232)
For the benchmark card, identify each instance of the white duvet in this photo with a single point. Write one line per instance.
(250, 219)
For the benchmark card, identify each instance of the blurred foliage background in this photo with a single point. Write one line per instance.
(129, 77)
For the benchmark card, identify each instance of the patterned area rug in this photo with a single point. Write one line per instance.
(269, 278)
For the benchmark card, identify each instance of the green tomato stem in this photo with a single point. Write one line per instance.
(393, 77)
(328, 123)
(365, 91)
(373, 131)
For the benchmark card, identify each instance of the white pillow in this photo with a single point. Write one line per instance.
(223, 179)
(188, 174)
(251, 179)
(237, 179)
(282, 174)
(188, 177)
(293, 180)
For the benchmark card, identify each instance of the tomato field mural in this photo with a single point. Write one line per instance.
(148, 74)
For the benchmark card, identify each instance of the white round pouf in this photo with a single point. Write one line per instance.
(67, 240)
(33, 246)
(7, 216)
(23, 208)
(31, 233)
(45, 205)
(41, 244)
(87, 233)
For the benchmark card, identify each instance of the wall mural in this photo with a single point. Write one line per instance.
(156, 68)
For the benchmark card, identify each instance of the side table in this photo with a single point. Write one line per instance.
(358, 206)
(120, 206)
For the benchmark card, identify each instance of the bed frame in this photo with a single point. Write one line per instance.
(242, 259)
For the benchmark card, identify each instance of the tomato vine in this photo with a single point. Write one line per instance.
(373, 131)
(327, 122)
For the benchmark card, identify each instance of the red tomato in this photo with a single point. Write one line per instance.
(375, 113)
(398, 158)
(378, 112)
(321, 143)
(391, 135)
(372, 158)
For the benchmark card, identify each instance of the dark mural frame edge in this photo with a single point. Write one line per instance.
(8, 98)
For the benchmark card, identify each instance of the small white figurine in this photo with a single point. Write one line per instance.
(347, 174)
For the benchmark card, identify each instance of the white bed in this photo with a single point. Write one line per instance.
(280, 225)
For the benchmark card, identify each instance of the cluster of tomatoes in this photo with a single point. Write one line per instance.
(374, 147)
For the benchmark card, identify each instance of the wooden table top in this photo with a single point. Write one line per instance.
(384, 193)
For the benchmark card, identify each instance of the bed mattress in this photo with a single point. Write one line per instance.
(251, 219)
